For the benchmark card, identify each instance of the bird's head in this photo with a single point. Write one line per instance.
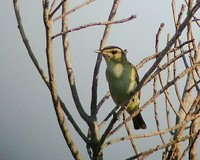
(113, 53)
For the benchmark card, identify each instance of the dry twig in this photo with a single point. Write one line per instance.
(86, 2)
(95, 24)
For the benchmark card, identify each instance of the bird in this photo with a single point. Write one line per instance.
(122, 79)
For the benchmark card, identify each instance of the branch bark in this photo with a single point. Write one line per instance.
(53, 86)
(168, 46)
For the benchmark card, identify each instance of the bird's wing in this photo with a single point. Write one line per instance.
(136, 78)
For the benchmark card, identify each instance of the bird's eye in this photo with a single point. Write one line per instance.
(114, 52)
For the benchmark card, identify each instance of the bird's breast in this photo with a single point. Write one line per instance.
(117, 70)
(120, 83)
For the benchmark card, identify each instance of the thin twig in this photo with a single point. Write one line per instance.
(26, 43)
(194, 17)
(174, 11)
(155, 82)
(70, 73)
(94, 24)
(129, 134)
(108, 116)
(96, 73)
(159, 147)
(107, 95)
(164, 66)
(53, 86)
(86, 2)
(195, 82)
(180, 15)
(181, 75)
(56, 9)
(104, 39)
(155, 55)
(42, 74)
(169, 78)
(167, 48)
(174, 64)
(52, 6)
(152, 134)
(194, 128)
(177, 25)
(176, 150)
(110, 126)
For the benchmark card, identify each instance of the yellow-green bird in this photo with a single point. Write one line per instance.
(122, 78)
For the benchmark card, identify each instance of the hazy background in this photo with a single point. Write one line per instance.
(28, 124)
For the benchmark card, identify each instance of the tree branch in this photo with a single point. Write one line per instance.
(159, 147)
(53, 85)
(56, 9)
(86, 2)
(99, 58)
(42, 74)
(94, 24)
(181, 75)
(26, 43)
(70, 73)
(161, 132)
(167, 48)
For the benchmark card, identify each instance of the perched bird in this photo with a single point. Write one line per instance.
(122, 78)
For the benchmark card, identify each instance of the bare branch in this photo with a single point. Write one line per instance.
(42, 74)
(159, 147)
(162, 132)
(195, 18)
(174, 11)
(147, 59)
(176, 150)
(52, 6)
(168, 46)
(53, 85)
(26, 43)
(129, 134)
(111, 124)
(56, 9)
(95, 24)
(108, 116)
(181, 75)
(107, 95)
(86, 2)
(155, 82)
(186, 107)
(99, 58)
(180, 15)
(69, 70)
(164, 66)
(169, 77)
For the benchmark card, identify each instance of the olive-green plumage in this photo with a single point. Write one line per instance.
(122, 78)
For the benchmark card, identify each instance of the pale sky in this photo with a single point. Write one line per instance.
(28, 126)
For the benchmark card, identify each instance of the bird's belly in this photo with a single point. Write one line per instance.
(120, 90)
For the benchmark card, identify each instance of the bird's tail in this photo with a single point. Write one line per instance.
(138, 122)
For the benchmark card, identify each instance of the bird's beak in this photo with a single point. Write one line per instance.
(98, 51)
